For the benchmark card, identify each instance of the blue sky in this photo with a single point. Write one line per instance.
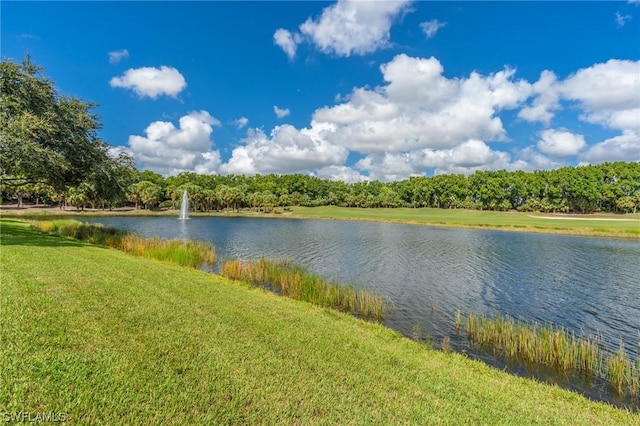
(347, 90)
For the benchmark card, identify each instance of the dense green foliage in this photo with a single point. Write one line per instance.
(49, 147)
(111, 339)
(608, 187)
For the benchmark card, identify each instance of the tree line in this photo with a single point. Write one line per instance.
(608, 187)
(50, 153)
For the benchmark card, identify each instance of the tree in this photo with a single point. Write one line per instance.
(46, 138)
(145, 192)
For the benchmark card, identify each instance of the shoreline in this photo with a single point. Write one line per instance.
(299, 213)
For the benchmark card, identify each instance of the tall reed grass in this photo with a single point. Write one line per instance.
(294, 281)
(191, 254)
(554, 346)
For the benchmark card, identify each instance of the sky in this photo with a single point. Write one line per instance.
(346, 90)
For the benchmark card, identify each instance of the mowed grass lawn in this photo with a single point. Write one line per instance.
(107, 338)
(599, 225)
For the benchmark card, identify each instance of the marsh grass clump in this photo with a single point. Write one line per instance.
(554, 346)
(288, 279)
(184, 253)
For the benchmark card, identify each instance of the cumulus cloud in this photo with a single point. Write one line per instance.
(560, 143)
(547, 97)
(118, 55)
(419, 108)
(285, 150)
(343, 173)
(431, 27)
(287, 41)
(625, 147)
(465, 158)
(115, 151)
(345, 28)
(151, 82)
(241, 122)
(606, 94)
(168, 149)
(419, 121)
(281, 112)
(613, 85)
(609, 95)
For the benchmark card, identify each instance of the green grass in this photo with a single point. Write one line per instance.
(109, 338)
(606, 225)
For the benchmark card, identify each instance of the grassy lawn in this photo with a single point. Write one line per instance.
(599, 225)
(108, 338)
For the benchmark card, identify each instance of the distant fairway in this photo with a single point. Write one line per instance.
(626, 226)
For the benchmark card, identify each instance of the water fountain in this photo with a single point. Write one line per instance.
(184, 206)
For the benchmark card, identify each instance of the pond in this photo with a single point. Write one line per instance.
(588, 285)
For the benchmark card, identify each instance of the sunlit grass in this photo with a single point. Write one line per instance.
(294, 281)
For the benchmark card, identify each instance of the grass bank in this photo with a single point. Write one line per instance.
(619, 226)
(107, 338)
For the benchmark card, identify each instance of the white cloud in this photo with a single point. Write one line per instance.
(560, 143)
(614, 85)
(115, 151)
(430, 28)
(609, 95)
(343, 173)
(281, 112)
(151, 82)
(345, 28)
(285, 150)
(169, 150)
(118, 55)
(241, 122)
(464, 158)
(621, 20)
(420, 108)
(547, 96)
(287, 41)
(534, 160)
(625, 147)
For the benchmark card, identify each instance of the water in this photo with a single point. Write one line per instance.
(184, 207)
(587, 285)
